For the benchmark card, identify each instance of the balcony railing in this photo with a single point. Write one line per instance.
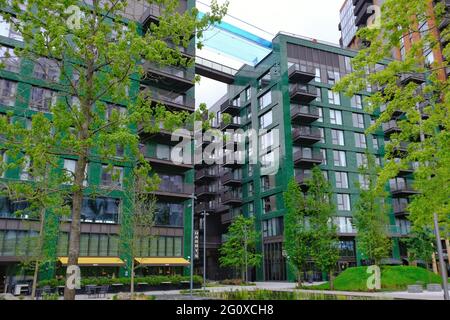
(301, 73)
(230, 178)
(231, 198)
(302, 93)
(402, 189)
(306, 135)
(182, 188)
(400, 208)
(304, 114)
(417, 78)
(391, 127)
(206, 173)
(307, 159)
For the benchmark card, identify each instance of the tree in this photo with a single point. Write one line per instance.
(239, 249)
(420, 245)
(425, 106)
(296, 232)
(371, 215)
(97, 51)
(41, 193)
(320, 210)
(143, 220)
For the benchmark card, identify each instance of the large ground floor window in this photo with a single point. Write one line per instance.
(274, 262)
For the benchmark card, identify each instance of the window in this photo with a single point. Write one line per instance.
(171, 183)
(8, 90)
(361, 160)
(344, 224)
(343, 202)
(269, 204)
(317, 78)
(319, 95)
(3, 162)
(236, 102)
(339, 158)
(9, 208)
(375, 143)
(324, 156)
(251, 209)
(10, 61)
(266, 141)
(250, 189)
(110, 109)
(264, 81)
(9, 30)
(356, 102)
(320, 110)
(341, 180)
(46, 69)
(268, 182)
(358, 120)
(42, 99)
(334, 97)
(163, 152)
(25, 173)
(265, 100)
(322, 135)
(360, 140)
(169, 214)
(112, 177)
(335, 117)
(273, 227)
(363, 181)
(100, 210)
(248, 94)
(333, 77)
(265, 120)
(69, 166)
(337, 137)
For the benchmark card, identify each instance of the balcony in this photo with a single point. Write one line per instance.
(231, 179)
(361, 12)
(304, 114)
(159, 131)
(230, 108)
(302, 94)
(172, 191)
(235, 161)
(402, 190)
(205, 174)
(301, 74)
(152, 12)
(206, 191)
(307, 159)
(401, 149)
(227, 217)
(407, 78)
(170, 77)
(232, 198)
(302, 178)
(206, 207)
(395, 113)
(400, 209)
(167, 164)
(391, 127)
(232, 125)
(306, 135)
(172, 100)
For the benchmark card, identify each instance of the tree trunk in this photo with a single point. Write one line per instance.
(36, 266)
(75, 225)
(331, 275)
(299, 279)
(433, 259)
(132, 279)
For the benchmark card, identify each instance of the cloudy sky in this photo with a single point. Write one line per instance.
(311, 18)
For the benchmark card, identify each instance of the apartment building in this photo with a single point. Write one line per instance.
(26, 90)
(288, 94)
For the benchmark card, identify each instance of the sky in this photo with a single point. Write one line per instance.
(317, 19)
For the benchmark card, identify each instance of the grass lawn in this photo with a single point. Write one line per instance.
(393, 278)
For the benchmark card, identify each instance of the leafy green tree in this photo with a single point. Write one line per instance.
(425, 106)
(100, 62)
(239, 249)
(320, 209)
(420, 244)
(41, 190)
(297, 235)
(371, 215)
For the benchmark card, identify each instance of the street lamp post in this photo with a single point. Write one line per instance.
(191, 280)
(204, 214)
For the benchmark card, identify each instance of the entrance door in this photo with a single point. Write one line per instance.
(2, 278)
(274, 262)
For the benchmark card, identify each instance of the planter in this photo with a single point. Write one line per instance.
(416, 288)
(434, 287)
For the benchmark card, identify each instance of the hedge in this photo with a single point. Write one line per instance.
(151, 280)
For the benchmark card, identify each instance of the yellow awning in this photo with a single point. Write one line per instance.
(158, 262)
(95, 261)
